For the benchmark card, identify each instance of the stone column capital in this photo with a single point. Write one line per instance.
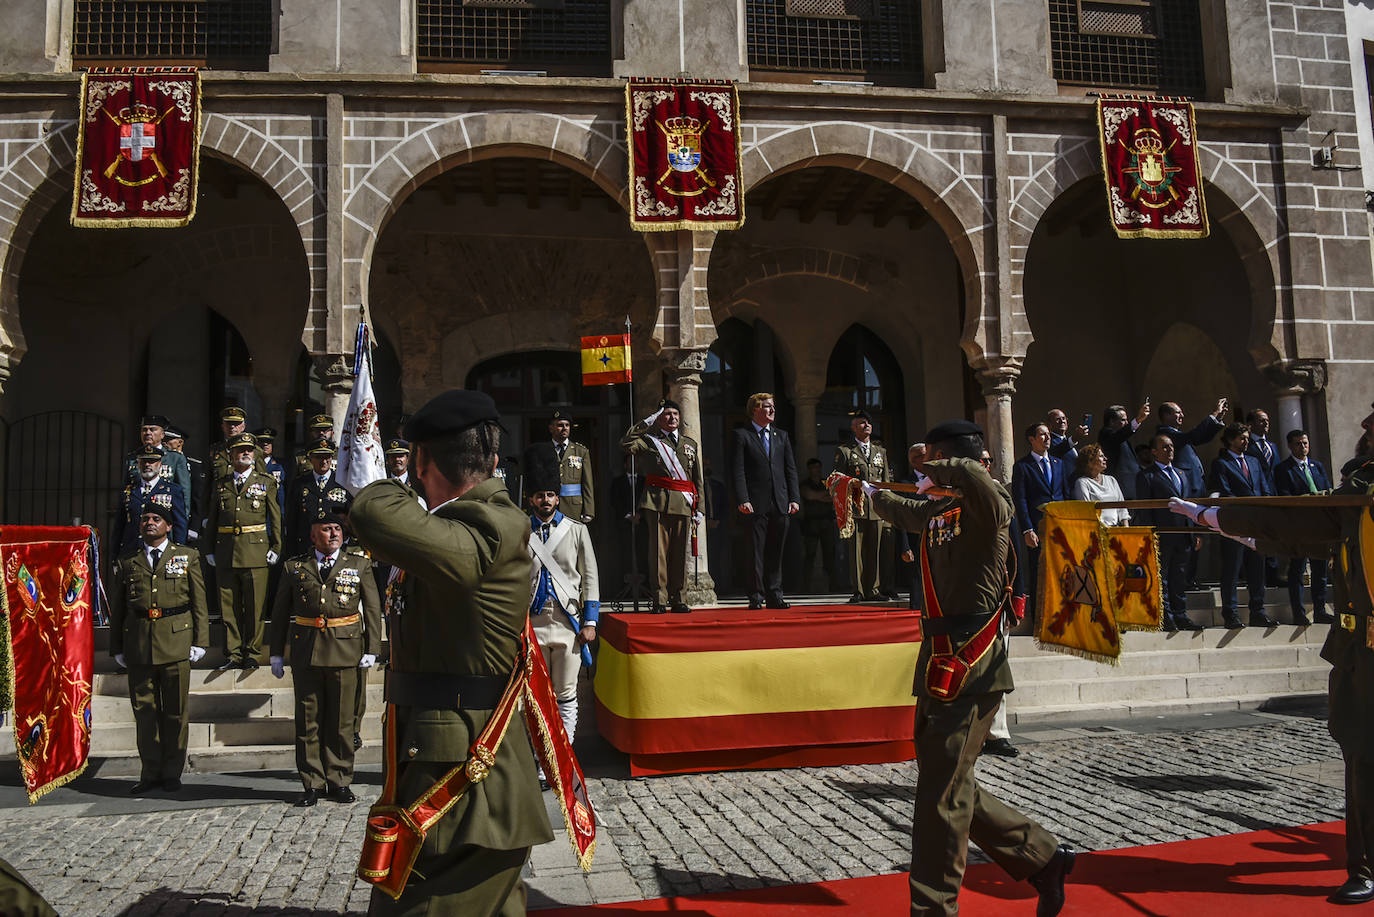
(685, 366)
(998, 375)
(333, 373)
(1297, 377)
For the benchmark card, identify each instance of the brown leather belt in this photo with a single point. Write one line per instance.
(241, 529)
(322, 622)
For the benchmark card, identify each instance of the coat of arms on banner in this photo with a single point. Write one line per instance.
(684, 142)
(138, 147)
(1150, 163)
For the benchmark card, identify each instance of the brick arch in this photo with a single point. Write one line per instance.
(951, 194)
(38, 178)
(1234, 203)
(382, 185)
(842, 267)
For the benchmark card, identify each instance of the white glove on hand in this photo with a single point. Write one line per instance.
(649, 421)
(1202, 515)
(192, 535)
(271, 557)
(925, 484)
(197, 653)
(869, 489)
(278, 666)
(368, 661)
(119, 660)
(698, 518)
(210, 559)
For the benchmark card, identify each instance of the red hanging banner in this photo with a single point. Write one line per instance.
(137, 148)
(1150, 162)
(48, 650)
(684, 139)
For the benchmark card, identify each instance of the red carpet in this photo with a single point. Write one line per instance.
(1282, 873)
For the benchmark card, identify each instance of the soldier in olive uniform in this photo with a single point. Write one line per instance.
(153, 434)
(329, 605)
(577, 499)
(311, 492)
(17, 896)
(245, 523)
(158, 627)
(1349, 647)
(457, 616)
(965, 541)
(321, 427)
(871, 542)
(671, 503)
(233, 422)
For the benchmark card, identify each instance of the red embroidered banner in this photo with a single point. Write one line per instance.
(137, 147)
(48, 650)
(1150, 161)
(684, 141)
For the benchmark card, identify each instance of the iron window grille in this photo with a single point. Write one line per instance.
(1152, 45)
(562, 36)
(877, 40)
(223, 33)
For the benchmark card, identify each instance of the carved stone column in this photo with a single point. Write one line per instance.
(1291, 382)
(998, 376)
(332, 371)
(684, 369)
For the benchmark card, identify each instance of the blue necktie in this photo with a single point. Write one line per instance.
(767, 446)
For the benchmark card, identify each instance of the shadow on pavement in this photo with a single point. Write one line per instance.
(171, 901)
(1188, 783)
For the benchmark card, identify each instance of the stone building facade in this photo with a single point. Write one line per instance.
(925, 234)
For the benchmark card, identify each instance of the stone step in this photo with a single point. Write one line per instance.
(1100, 692)
(1186, 655)
(1213, 637)
(119, 738)
(1076, 713)
(221, 760)
(217, 706)
(206, 679)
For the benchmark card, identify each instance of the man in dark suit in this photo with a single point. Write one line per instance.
(1037, 478)
(1115, 440)
(1062, 445)
(1185, 455)
(765, 476)
(1268, 455)
(1235, 474)
(1160, 480)
(1296, 475)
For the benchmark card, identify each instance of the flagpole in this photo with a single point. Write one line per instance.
(634, 509)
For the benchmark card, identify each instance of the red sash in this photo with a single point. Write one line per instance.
(949, 667)
(682, 487)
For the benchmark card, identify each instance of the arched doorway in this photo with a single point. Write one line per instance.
(863, 373)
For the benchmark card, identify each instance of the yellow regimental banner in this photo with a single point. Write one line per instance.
(1137, 598)
(1075, 586)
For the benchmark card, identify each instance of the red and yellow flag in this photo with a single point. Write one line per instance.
(606, 359)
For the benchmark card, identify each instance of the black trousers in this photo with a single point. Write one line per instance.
(767, 534)
(1174, 552)
(1295, 566)
(1235, 559)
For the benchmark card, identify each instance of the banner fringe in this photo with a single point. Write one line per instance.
(551, 763)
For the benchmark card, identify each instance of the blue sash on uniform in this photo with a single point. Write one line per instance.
(570, 490)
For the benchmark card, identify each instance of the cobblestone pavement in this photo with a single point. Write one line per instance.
(233, 846)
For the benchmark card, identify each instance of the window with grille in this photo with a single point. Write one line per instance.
(878, 40)
(1129, 44)
(223, 33)
(559, 36)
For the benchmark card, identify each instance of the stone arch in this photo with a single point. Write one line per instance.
(1235, 203)
(951, 194)
(38, 177)
(395, 171)
(498, 335)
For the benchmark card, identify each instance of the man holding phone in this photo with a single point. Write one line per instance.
(1063, 446)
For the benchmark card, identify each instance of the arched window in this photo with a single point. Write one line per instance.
(862, 373)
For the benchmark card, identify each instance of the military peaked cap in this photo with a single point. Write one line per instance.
(321, 446)
(233, 415)
(148, 454)
(172, 432)
(157, 509)
(265, 435)
(451, 412)
(861, 414)
(397, 447)
(154, 420)
(239, 440)
(322, 422)
(951, 429)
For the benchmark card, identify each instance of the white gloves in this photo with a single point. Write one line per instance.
(698, 518)
(1201, 515)
(869, 489)
(271, 557)
(368, 661)
(210, 559)
(649, 421)
(197, 653)
(278, 666)
(119, 660)
(192, 535)
(926, 483)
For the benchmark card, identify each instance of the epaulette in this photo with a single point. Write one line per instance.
(356, 551)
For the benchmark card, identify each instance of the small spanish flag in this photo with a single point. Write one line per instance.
(606, 359)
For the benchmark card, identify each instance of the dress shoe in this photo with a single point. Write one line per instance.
(1356, 890)
(1049, 882)
(1300, 618)
(308, 799)
(341, 794)
(659, 610)
(680, 608)
(856, 599)
(249, 665)
(1260, 619)
(891, 595)
(1233, 622)
(228, 666)
(172, 785)
(1001, 747)
(143, 786)
(357, 741)
(1321, 616)
(755, 605)
(780, 604)
(1183, 622)
(1168, 626)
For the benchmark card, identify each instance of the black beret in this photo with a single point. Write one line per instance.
(153, 420)
(265, 434)
(667, 403)
(952, 428)
(860, 414)
(451, 412)
(233, 414)
(241, 439)
(156, 509)
(149, 455)
(397, 447)
(541, 469)
(561, 415)
(331, 508)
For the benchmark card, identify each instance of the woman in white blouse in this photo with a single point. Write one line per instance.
(1095, 485)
